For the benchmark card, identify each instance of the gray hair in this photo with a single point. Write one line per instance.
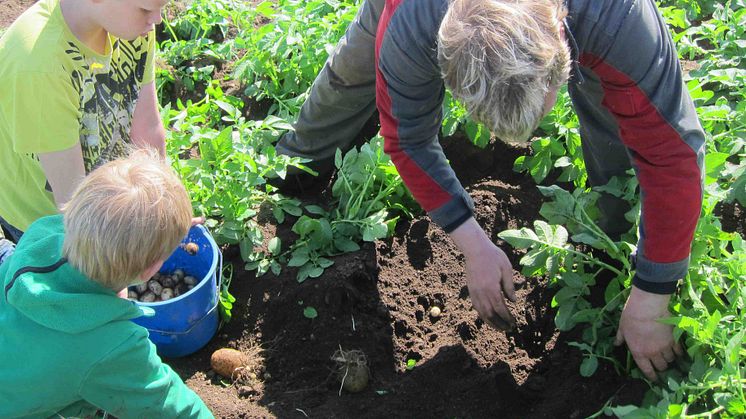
(500, 58)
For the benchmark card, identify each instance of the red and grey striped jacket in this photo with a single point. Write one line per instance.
(626, 86)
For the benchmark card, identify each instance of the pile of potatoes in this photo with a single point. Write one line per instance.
(162, 287)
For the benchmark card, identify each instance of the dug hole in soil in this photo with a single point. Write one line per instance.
(378, 301)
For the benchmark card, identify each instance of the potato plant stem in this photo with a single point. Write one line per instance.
(587, 258)
(600, 233)
(167, 23)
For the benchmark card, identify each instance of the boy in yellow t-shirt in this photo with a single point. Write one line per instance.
(77, 85)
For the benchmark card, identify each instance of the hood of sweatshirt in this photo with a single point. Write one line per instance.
(43, 286)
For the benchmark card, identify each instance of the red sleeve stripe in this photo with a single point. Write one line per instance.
(667, 167)
(424, 188)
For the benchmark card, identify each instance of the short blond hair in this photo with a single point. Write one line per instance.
(501, 58)
(124, 217)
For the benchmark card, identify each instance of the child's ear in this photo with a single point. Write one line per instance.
(150, 271)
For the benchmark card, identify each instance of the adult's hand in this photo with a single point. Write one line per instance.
(489, 275)
(651, 343)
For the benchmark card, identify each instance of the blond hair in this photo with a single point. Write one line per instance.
(124, 217)
(501, 58)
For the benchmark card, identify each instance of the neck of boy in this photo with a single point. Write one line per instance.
(81, 23)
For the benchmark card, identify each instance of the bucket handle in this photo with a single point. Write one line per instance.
(184, 332)
(219, 275)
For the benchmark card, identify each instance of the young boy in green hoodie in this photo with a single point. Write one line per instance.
(67, 343)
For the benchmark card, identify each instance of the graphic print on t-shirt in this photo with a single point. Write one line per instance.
(108, 95)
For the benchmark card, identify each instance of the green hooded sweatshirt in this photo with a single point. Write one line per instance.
(68, 346)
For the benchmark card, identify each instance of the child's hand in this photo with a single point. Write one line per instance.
(198, 220)
(122, 294)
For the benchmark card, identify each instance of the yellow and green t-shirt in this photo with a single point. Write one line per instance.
(56, 92)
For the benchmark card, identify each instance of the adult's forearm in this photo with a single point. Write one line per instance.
(470, 238)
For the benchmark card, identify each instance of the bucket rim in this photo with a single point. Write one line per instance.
(202, 282)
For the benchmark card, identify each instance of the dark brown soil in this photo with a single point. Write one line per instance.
(377, 300)
(732, 216)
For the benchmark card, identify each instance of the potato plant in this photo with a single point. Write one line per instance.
(368, 198)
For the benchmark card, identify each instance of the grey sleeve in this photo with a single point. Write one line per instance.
(410, 95)
(647, 107)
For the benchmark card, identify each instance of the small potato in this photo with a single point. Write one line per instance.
(141, 287)
(356, 379)
(180, 289)
(167, 294)
(132, 294)
(190, 280)
(167, 281)
(155, 287)
(226, 361)
(435, 312)
(352, 369)
(179, 274)
(148, 297)
(191, 248)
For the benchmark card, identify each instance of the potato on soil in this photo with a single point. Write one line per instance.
(352, 370)
(228, 362)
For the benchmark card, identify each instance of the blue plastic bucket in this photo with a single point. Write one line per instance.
(184, 324)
